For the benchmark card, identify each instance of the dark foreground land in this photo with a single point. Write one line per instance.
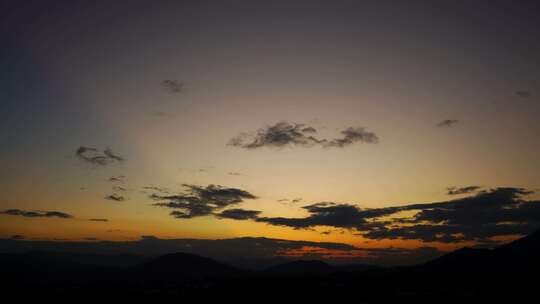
(506, 273)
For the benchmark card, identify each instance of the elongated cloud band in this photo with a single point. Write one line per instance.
(462, 190)
(25, 213)
(479, 217)
(447, 123)
(285, 134)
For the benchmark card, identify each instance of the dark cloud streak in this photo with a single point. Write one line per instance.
(94, 156)
(285, 134)
(239, 214)
(115, 197)
(202, 201)
(98, 220)
(24, 213)
(479, 218)
(462, 190)
(172, 86)
(447, 123)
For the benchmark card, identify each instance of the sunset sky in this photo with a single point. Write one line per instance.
(299, 117)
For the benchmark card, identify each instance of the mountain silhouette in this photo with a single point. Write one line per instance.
(503, 272)
(301, 267)
(530, 242)
(520, 255)
(184, 266)
(459, 260)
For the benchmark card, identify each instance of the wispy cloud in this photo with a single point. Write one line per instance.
(523, 94)
(91, 155)
(479, 217)
(285, 134)
(172, 86)
(96, 157)
(115, 197)
(25, 213)
(239, 214)
(290, 201)
(98, 220)
(447, 123)
(201, 201)
(156, 189)
(119, 178)
(462, 190)
(351, 136)
(330, 214)
(111, 155)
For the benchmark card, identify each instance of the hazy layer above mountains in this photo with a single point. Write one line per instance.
(246, 252)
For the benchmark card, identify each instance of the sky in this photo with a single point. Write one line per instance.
(376, 124)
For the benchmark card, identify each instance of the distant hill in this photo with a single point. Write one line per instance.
(501, 273)
(37, 263)
(310, 267)
(530, 242)
(518, 256)
(459, 260)
(184, 266)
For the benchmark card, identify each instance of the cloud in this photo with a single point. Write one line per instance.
(156, 189)
(149, 237)
(496, 212)
(94, 156)
(118, 188)
(201, 201)
(239, 214)
(329, 214)
(24, 213)
(119, 178)
(284, 134)
(110, 154)
(234, 173)
(351, 136)
(115, 197)
(279, 135)
(309, 130)
(523, 94)
(479, 217)
(17, 237)
(172, 86)
(296, 200)
(447, 123)
(91, 155)
(462, 190)
(98, 220)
